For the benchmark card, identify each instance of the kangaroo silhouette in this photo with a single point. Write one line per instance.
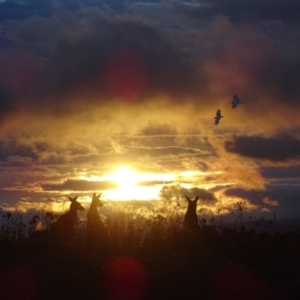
(95, 228)
(64, 227)
(190, 221)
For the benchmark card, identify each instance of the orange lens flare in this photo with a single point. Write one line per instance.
(125, 75)
(19, 283)
(125, 279)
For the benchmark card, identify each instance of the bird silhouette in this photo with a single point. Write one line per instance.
(218, 117)
(235, 101)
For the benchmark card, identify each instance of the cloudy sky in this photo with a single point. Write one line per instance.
(119, 97)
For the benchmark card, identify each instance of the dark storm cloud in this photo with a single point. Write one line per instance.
(283, 77)
(17, 163)
(12, 148)
(251, 195)
(277, 172)
(279, 148)
(5, 103)
(12, 9)
(15, 9)
(80, 56)
(79, 185)
(281, 200)
(74, 49)
(17, 152)
(85, 61)
(279, 192)
(242, 11)
(21, 153)
(255, 47)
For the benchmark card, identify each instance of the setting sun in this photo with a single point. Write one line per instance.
(129, 184)
(124, 177)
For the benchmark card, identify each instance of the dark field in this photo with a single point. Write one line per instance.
(152, 259)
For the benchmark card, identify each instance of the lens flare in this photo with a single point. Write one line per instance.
(125, 75)
(125, 279)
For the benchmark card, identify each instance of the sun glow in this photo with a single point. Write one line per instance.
(124, 177)
(134, 185)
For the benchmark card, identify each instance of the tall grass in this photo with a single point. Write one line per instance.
(134, 223)
(152, 234)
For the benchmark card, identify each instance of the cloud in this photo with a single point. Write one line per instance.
(74, 58)
(13, 148)
(83, 44)
(20, 10)
(270, 202)
(249, 11)
(207, 197)
(173, 191)
(158, 129)
(279, 173)
(252, 195)
(282, 147)
(5, 103)
(79, 185)
(277, 199)
(167, 151)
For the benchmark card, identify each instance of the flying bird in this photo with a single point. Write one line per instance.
(218, 117)
(235, 101)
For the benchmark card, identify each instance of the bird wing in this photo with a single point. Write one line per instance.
(236, 99)
(218, 117)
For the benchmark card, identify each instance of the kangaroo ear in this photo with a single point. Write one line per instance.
(73, 199)
(196, 199)
(99, 196)
(188, 199)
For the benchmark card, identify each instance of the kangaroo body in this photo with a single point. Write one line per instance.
(190, 221)
(95, 228)
(64, 227)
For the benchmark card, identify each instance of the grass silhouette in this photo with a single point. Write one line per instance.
(148, 257)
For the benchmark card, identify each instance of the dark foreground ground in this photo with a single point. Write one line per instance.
(234, 264)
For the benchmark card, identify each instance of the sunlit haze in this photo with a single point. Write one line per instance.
(142, 186)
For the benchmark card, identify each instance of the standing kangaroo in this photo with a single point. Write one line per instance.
(190, 221)
(95, 228)
(64, 227)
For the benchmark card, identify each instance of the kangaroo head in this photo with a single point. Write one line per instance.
(75, 205)
(96, 200)
(192, 203)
